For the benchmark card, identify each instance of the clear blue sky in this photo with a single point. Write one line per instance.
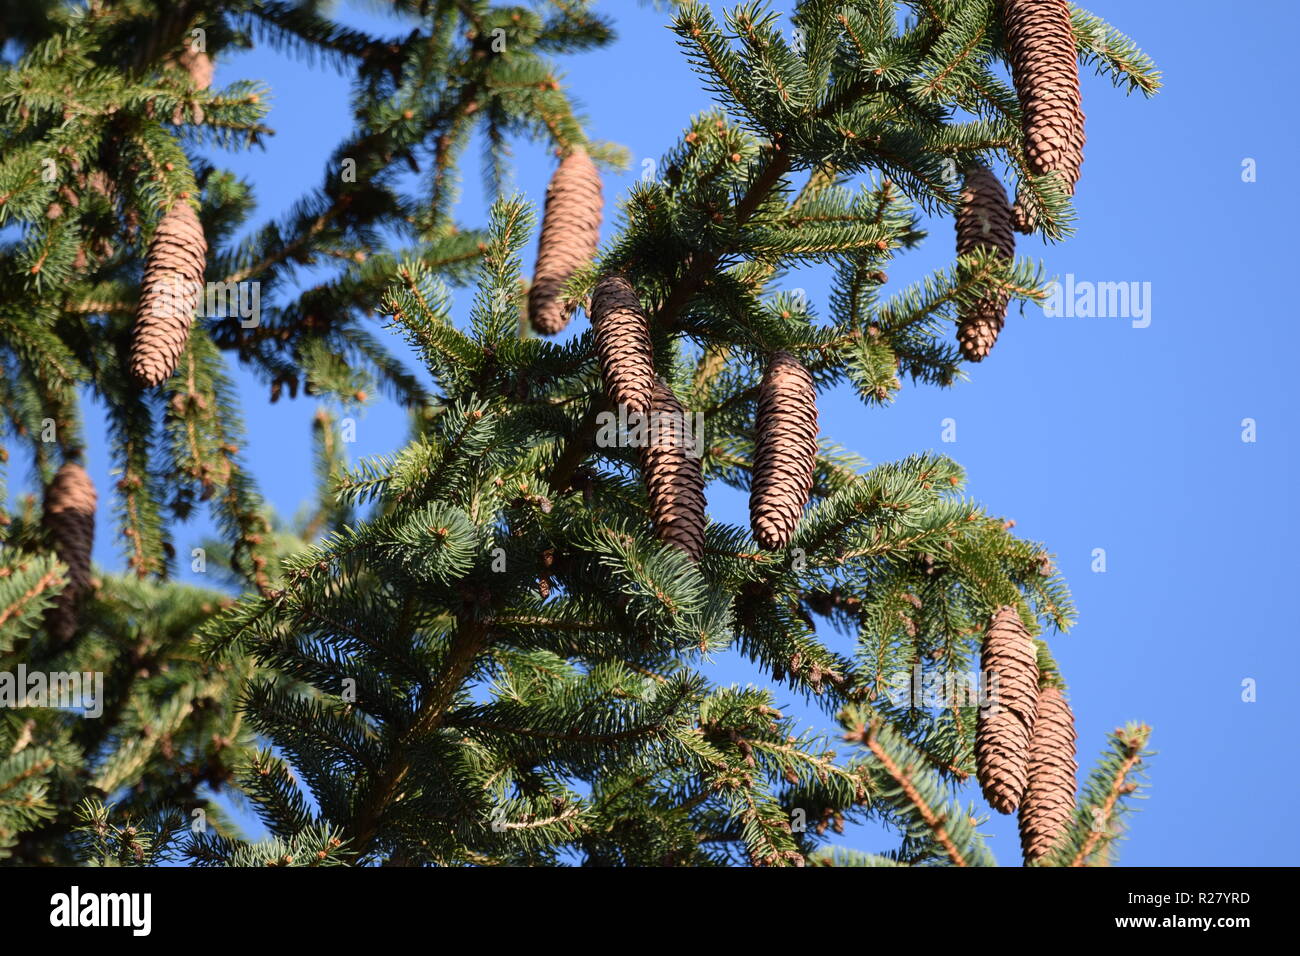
(1089, 432)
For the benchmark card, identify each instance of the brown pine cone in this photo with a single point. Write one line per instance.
(622, 334)
(1045, 70)
(984, 221)
(69, 520)
(169, 294)
(198, 65)
(673, 478)
(984, 217)
(1048, 802)
(1005, 723)
(570, 235)
(785, 451)
(1021, 220)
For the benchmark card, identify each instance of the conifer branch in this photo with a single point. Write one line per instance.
(51, 581)
(471, 637)
(903, 778)
(1120, 786)
(500, 541)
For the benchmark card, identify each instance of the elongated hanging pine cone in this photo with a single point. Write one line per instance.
(623, 343)
(1048, 802)
(169, 294)
(1005, 724)
(785, 451)
(69, 519)
(570, 235)
(1045, 70)
(984, 220)
(673, 478)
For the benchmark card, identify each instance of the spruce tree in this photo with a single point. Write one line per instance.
(490, 646)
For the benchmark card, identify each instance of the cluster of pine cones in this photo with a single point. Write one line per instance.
(1045, 70)
(673, 477)
(170, 290)
(1040, 45)
(1024, 738)
(785, 451)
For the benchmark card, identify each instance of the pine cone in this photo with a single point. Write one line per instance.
(1049, 795)
(198, 65)
(623, 343)
(1045, 70)
(984, 221)
(69, 520)
(169, 294)
(673, 478)
(570, 235)
(984, 217)
(1021, 220)
(785, 451)
(1006, 721)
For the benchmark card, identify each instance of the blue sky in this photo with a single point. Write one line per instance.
(1089, 432)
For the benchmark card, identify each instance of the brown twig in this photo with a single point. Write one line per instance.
(902, 776)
